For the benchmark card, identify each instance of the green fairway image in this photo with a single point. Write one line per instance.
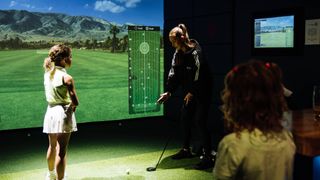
(275, 39)
(101, 79)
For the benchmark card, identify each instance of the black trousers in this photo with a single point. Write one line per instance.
(194, 119)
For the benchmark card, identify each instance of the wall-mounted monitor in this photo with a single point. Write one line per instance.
(278, 32)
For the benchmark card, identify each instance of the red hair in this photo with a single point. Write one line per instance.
(253, 98)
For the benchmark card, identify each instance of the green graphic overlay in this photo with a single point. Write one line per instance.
(144, 68)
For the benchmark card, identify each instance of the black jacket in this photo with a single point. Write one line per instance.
(189, 71)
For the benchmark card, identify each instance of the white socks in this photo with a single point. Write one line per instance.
(51, 175)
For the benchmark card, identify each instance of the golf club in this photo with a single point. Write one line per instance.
(155, 167)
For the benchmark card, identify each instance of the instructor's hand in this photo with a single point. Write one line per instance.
(164, 97)
(188, 98)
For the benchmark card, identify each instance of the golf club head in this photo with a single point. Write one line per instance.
(151, 169)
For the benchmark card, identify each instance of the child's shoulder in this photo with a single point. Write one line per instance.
(236, 137)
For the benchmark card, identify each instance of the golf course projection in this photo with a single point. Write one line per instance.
(118, 71)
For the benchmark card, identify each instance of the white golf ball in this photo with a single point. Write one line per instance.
(128, 171)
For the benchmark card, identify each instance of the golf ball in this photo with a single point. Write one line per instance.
(128, 171)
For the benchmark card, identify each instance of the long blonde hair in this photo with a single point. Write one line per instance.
(56, 54)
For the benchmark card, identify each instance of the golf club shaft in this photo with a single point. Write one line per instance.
(164, 149)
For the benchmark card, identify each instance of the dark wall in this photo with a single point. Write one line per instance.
(224, 31)
(300, 71)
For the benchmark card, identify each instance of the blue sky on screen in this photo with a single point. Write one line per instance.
(141, 12)
(278, 21)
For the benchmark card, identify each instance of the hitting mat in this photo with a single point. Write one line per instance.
(131, 167)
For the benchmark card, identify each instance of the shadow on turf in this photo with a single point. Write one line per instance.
(187, 164)
(126, 177)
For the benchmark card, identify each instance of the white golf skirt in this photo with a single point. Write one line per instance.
(59, 119)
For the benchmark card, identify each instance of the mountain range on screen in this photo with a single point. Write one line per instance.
(35, 26)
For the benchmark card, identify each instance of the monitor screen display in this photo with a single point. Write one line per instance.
(274, 32)
(277, 32)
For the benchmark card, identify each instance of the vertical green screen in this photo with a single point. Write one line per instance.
(144, 68)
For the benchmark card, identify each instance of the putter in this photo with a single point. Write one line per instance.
(155, 167)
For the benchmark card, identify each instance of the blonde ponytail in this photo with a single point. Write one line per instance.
(47, 64)
(56, 54)
(184, 31)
